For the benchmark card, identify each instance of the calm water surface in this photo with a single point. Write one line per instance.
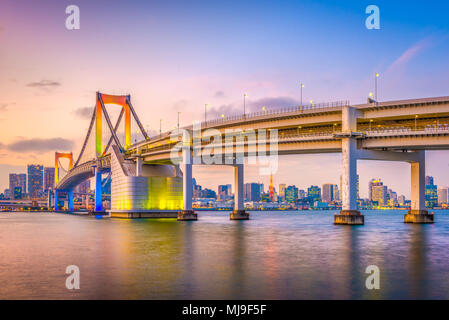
(276, 255)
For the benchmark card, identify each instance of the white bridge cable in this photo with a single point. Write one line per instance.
(92, 121)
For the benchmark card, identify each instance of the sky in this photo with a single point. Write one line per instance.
(179, 55)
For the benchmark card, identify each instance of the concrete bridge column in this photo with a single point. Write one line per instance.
(98, 191)
(239, 212)
(139, 166)
(70, 196)
(187, 214)
(56, 200)
(349, 214)
(418, 212)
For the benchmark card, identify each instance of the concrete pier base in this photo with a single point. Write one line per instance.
(187, 215)
(418, 217)
(349, 217)
(143, 214)
(239, 215)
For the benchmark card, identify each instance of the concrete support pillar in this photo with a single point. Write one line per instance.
(239, 212)
(418, 212)
(56, 200)
(98, 191)
(49, 202)
(349, 174)
(187, 214)
(349, 213)
(70, 196)
(139, 162)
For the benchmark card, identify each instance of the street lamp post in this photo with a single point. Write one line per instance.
(178, 120)
(264, 110)
(160, 127)
(375, 86)
(244, 105)
(370, 122)
(416, 122)
(302, 86)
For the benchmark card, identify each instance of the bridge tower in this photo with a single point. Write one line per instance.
(124, 101)
(59, 155)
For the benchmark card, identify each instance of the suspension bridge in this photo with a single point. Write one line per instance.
(153, 177)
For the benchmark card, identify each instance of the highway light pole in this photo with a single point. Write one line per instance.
(375, 86)
(244, 105)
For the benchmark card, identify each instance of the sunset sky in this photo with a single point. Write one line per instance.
(178, 55)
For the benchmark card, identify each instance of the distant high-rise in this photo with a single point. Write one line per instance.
(35, 180)
(401, 200)
(337, 193)
(328, 193)
(18, 180)
(442, 195)
(373, 183)
(314, 194)
(379, 194)
(252, 192)
(431, 193)
(49, 179)
(223, 192)
(291, 194)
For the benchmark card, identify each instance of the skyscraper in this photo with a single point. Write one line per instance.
(328, 193)
(252, 191)
(291, 194)
(49, 178)
(373, 183)
(314, 194)
(442, 196)
(379, 194)
(431, 193)
(18, 180)
(35, 180)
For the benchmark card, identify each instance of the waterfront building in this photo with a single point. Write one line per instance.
(35, 180)
(49, 179)
(314, 194)
(442, 196)
(17, 180)
(328, 192)
(291, 194)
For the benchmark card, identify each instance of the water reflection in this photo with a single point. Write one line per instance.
(288, 255)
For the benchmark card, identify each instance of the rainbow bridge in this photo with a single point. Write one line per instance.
(153, 177)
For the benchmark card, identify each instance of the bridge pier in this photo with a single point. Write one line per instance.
(418, 213)
(239, 212)
(98, 191)
(349, 215)
(70, 200)
(187, 214)
(56, 207)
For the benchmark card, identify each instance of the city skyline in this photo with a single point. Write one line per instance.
(45, 91)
